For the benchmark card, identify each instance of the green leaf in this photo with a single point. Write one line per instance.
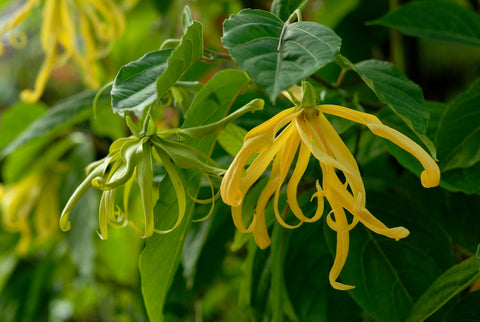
(467, 310)
(463, 228)
(162, 254)
(332, 12)
(187, 19)
(275, 54)
(183, 56)
(393, 88)
(390, 275)
(72, 110)
(466, 180)
(442, 20)
(281, 303)
(140, 83)
(445, 287)
(231, 138)
(8, 262)
(134, 87)
(458, 134)
(16, 119)
(194, 243)
(284, 8)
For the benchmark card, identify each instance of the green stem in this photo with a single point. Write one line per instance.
(397, 55)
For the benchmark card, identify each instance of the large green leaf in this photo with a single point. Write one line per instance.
(464, 225)
(442, 20)
(306, 274)
(162, 254)
(466, 180)
(467, 310)
(276, 54)
(393, 88)
(388, 275)
(140, 83)
(70, 111)
(445, 287)
(284, 8)
(458, 134)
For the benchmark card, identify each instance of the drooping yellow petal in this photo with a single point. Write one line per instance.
(280, 167)
(318, 149)
(342, 154)
(67, 34)
(253, 173)
(285, 160)
(430, 177)
(292, 187)
(341, 250)
(338, 194)
(17, 18)
(262, 161)
(257, 140)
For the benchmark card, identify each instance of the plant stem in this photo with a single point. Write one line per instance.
(396, 42)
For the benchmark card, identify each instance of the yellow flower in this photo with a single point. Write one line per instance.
(30, 207)
(80, 30)
(301, 131)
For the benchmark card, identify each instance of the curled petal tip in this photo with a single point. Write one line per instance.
(430, 178)
(262, 242)
(399, 233)
(29, 96)
(65, 224)
(233, 198)
(341, 287)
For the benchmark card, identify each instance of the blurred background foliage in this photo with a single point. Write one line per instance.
(75, 276)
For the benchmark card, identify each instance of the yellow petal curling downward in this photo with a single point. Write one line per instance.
(79, 30)
(303, 131)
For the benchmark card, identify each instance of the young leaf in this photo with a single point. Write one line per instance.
(139, 83)
(449, 284)
(284, 8)
(278, 54)
(458, 134)
(134, 87)
(162, 254)
(188, 52)
(442, 20)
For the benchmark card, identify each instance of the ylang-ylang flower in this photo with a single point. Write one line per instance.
(297, 133)
(30, 207)
(79, 30)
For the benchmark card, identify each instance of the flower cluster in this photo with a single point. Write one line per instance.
(79, 30)
(129, 159)
(30, 207)
(299, 132)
